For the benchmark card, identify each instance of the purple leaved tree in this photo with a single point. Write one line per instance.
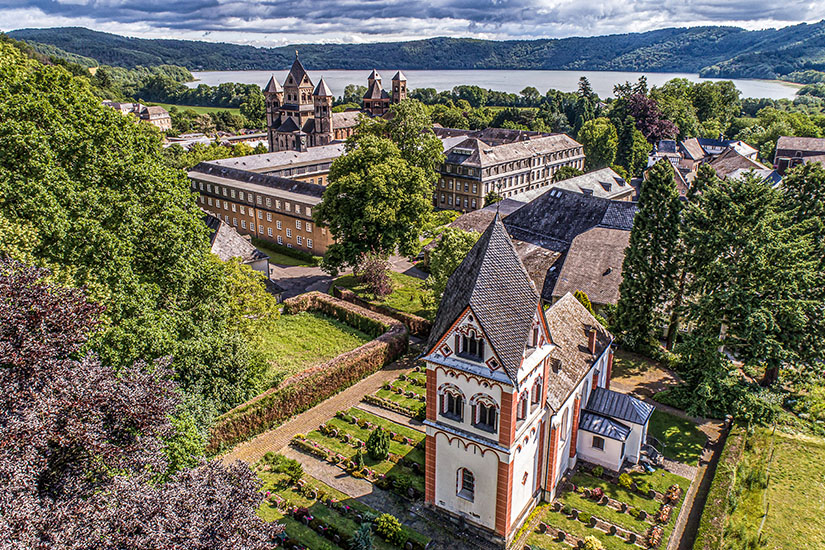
(81, 445)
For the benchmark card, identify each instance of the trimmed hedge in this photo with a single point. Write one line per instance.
(710, 534)
(307, 389)
(416, 325)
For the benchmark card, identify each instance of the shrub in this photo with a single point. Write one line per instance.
(584, 517)
(373, 272)
(643, 486)
(598, 471)
(625, 481)
(291, 467)
(389, 528)
(378, 444)
(359, 460)
(592, 543)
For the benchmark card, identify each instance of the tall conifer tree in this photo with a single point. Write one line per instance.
(650, 266)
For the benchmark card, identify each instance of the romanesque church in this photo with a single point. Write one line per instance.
(516, 394)
(299, 114)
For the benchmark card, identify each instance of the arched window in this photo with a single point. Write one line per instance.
(485, 412)
(466, 484)
(563, 433)
(451, 401)
(472, 346)
(521, 412)
(535, 392)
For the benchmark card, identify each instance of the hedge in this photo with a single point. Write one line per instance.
(710, 534)
(305, 390)
(417, 325)
(302, 255)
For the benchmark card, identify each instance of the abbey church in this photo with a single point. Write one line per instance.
(299, 114)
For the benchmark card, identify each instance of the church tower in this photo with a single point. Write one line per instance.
(487, 361)
(322, 101)
(297, 94)
(399, 87)
(274, 98)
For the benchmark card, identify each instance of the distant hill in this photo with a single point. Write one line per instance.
(727, 52)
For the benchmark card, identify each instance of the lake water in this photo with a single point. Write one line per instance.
(505, 81)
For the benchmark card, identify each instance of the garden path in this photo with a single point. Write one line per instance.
(274, 440)
(393, 416)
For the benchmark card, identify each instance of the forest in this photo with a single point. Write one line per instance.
(726, 52)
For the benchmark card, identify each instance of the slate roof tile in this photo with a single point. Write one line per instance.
(619, 405)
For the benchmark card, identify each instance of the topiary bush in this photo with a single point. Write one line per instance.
(378, 444)
(389, 528)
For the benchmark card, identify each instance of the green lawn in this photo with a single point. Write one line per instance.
(407, 294)
(198, 109)
(280, 258)
(627, 363)
(408, 402)
(795, 493)
(297, 342)
(683, 441)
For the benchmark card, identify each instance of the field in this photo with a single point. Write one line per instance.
(198, 109)
(795, 495)
(407, 295)
(297, 342)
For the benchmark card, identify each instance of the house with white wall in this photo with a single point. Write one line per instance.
(516, 393)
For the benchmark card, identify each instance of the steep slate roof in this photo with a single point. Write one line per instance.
(804, 144)
(273, 86)
(568, 322)
(374, 75)
(298, 72)
(375, 91)
(484, 153)
(494, 283)
(594, 265)
(399, 76)
(694, 149)
(347, 119)
(226, 243)
(619, 405)
(322, 90)
(273, 182)
(288, 126)
(601, 425)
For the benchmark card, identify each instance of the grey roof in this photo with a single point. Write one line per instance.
(601, 425)
(375, 91)
(693, 149)
(282, 159)
(226, 243)
(347, 119)
(494, 283)
(399, 76)
(804, 144)
(273, 182)
(731, 160)
(374, 75)
(603, 183)
(288, 126)
(619, 405)
(273, 86)
(322, 90)
(485, 150)
(297, 72)
(593, 264)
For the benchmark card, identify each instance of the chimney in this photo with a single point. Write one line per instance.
(591, 340)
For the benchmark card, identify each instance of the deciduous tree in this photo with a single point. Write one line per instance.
(600, 141)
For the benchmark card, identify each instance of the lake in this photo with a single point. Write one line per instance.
(505, 81)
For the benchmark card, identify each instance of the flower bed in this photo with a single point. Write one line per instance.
(309, 388)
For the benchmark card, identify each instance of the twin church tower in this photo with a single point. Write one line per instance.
(299, 114)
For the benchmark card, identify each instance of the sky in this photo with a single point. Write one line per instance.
(279, 22)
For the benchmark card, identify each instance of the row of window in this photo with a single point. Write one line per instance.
(249, 197)
(298, 238)
(449, 201)
(484, 409)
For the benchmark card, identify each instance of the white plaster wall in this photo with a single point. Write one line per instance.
(611, 457)
(634, 441)
(525, 460)
(469, 386)
(452, 456)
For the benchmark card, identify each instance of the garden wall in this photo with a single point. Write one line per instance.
(308, 388)
(417, 326)
(710, 534)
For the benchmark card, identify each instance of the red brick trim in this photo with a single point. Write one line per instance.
(429, 469)
(504, 494)
(541, 457)
(575, 433)
(432, 395)
(609, 372)
(595, 379)
(553, 452)
(507, 424)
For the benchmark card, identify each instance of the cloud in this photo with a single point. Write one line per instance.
(273, 22)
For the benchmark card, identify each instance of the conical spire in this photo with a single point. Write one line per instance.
(273, 86)
(374, 75)
(494, 283)
(400, 77)
(322, 90)
(297, 72)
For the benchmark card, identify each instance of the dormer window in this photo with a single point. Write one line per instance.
(452, 402)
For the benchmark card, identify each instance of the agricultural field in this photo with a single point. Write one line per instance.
(636, 509)
(297, 342)
(408, 294)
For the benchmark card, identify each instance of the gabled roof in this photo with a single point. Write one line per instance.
(273, 86)
(375, 91)
(693, 149)
(226, 243)
(322, 90)
(619, 405)
(569, 322)
(605, 183)
(601, 425)
(288, 126)
(731, 160)
(594, 265)
(493, 282)
(399, 76)
(804, 144)
(297, 72)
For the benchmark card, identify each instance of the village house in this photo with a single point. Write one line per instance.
(299, 114)
(516, 395)
(793, 151)
(504, 161)
(155, 115)
(604, 183)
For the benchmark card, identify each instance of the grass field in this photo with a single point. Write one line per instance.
(198, 109)
(406, 296)
(795, 494)
(682, 439)
(279, 258)
(297, 342)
